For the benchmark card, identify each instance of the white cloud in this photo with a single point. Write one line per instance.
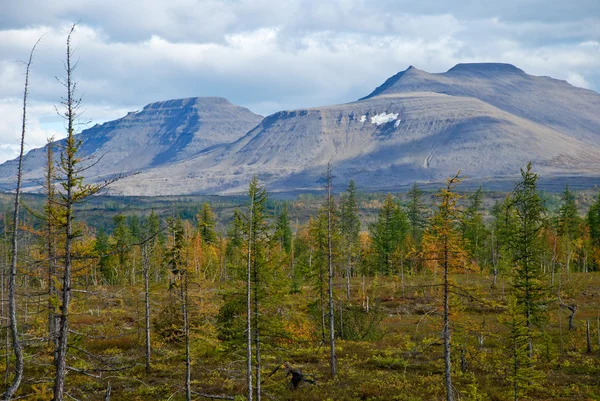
(578, 80)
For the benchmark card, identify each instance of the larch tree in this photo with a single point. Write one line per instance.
(443, 233)
(74, 191)
(52, 217)
(179, 270)
(150, 230)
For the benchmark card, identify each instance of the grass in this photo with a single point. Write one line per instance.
(402, 362)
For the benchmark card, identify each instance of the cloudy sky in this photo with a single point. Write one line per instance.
(270, 55)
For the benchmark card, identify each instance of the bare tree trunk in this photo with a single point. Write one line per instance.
(332, 359)
(249, 308)
(146, 262)
(12, 304)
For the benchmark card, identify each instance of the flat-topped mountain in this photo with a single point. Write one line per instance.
(486, 119)
(555, 103)
(160, 133)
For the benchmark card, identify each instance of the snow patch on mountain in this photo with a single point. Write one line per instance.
(383, 118)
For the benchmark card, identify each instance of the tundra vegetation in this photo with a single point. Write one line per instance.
(418, 295)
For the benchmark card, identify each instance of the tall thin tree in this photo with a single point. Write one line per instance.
(443, 233)
(332, 358)
(249, 302)
(12, 302)
(74, 191)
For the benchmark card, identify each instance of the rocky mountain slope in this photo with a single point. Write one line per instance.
(486, 119)
(543, 100)
(159, 134)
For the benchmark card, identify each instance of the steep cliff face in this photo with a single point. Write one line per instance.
(159, 134)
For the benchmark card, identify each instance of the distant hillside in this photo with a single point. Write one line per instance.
(486, 119)
(160, 133)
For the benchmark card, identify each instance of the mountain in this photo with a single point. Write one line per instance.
(159, 134)
(486, 119)
(544, 100)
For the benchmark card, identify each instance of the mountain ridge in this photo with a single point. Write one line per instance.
(488, 119)
(162, 132)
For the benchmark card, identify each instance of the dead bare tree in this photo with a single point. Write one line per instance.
(572, 308)
(12, 304)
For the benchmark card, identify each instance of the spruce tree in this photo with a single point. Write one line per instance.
(521, 372)
(206, 225)
(473, 228)
(257, 241)
(502, 225)
(349, 222)
(122, 240)
(568, 218)
(388, 232)
(235, 242)
(525, 241)
(415, 210)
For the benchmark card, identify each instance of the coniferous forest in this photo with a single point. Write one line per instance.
(341, 295)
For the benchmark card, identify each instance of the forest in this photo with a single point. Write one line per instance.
(335, 296)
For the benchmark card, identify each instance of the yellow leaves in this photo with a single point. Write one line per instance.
(41, 392)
